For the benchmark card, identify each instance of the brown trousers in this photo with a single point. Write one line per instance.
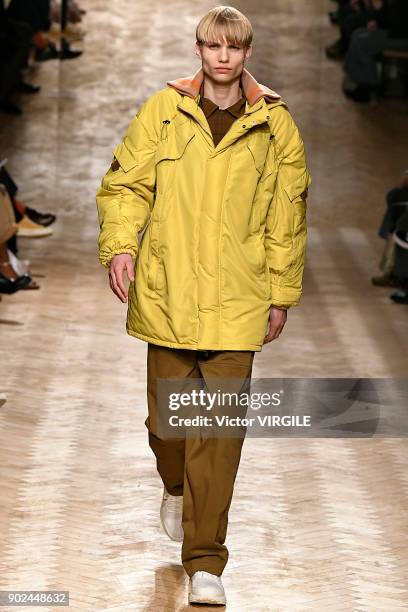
(202, 469)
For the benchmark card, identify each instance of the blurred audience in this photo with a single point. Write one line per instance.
(394, 230)
(367, 28)
(17, 221)
(26, 31)
(25, 34)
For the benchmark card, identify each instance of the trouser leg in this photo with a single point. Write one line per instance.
(202, 469)
(211, 465)
(164, 362)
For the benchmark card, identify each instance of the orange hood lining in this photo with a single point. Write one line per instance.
(252, 90)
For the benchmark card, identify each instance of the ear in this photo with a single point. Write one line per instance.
(197, 49)
(248, 52)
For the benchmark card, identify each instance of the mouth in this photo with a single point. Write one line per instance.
(223, 69)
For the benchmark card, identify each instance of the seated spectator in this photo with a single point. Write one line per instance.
(10, 280)
(15, 40)
(30, 222)
(397, 206)
(401, 258)
(389, 30)
(37, 15)
(352, 14)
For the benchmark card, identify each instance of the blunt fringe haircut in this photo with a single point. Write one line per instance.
(225, 21)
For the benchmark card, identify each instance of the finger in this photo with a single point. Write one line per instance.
(118, 277)
(114, 289)
(117, 288)
(275, 331)
(130, 270)
(271, 334)
(280, 329)
(119, 281)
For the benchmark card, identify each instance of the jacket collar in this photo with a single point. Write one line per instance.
(252, 90)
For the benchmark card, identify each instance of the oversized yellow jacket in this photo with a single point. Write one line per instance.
(217, 234)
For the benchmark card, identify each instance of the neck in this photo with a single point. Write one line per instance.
(222, 94)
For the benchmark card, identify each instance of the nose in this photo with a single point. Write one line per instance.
(223, 56)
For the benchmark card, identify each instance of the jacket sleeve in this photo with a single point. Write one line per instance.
(126, 194)
(285, 230)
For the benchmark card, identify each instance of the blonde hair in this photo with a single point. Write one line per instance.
(225, 21)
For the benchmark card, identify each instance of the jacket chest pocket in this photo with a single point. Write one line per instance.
(262, 149)
(167, 157)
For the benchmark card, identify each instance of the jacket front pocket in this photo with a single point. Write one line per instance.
(156, 278)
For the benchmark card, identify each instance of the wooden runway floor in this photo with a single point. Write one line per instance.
(315, 524)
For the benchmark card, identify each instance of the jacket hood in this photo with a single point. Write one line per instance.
(252, 90)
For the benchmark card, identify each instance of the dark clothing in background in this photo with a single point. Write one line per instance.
(394, 210)
(350, 20)
(9, 184)
(365, 46)
(12, 188)
(33, 12)
(393, 17)
(219, 120)
(14, 52)
(401, 254)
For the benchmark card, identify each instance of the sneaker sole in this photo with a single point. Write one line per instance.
(218, 601)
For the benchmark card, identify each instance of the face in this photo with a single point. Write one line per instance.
(223, 62)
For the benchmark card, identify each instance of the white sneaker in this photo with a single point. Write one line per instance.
(171, 513)
(206, 588)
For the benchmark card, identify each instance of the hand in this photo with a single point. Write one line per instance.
(277, 320)
(118, 265)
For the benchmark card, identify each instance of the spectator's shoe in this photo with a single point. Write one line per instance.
(44, 219)
(171, 512)
(11, 285)
(8, 107)
(401, 238)
(49, 53)
(27, 88)
(400, 297)
(386, 280)
(206, 588)
(18, 270)
(67, 53)
(28, 229)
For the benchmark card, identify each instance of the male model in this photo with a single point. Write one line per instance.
(212, 170)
